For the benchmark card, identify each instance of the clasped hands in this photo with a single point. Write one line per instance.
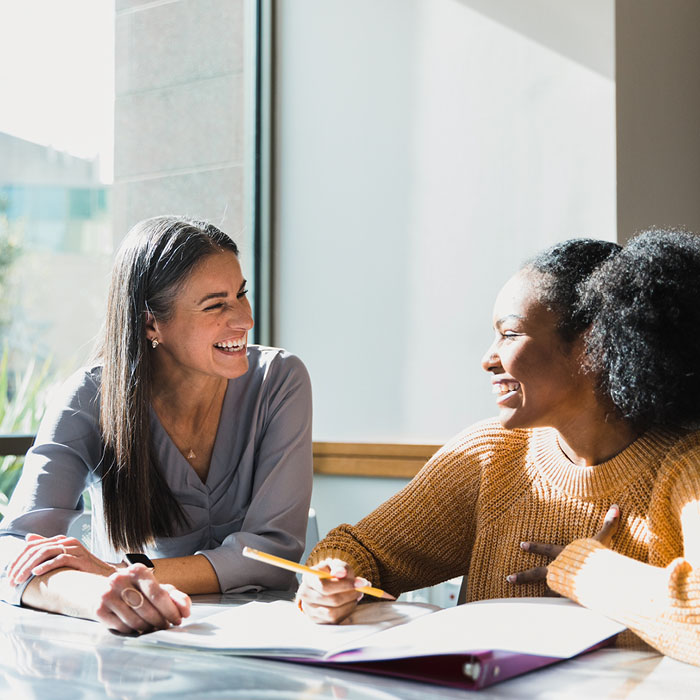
(125, 598)
(331, 600)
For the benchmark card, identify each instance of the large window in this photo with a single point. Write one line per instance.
(112, 111)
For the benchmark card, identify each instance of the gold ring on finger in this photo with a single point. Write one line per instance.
(132, 597)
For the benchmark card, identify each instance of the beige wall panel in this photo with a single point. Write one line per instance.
(184, 127)
(180, 112)
(216, 195)
(172, 32)
(120, 5)
(658, 114)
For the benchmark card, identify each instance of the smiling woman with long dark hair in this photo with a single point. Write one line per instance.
(192, 443)
(588, 482)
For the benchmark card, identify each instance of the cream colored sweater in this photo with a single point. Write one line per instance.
(489, 489)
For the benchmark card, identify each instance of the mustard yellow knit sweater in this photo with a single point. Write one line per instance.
(489, 489)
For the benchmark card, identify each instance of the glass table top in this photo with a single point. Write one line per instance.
(52, 656)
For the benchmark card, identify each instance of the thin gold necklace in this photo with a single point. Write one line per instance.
(189, 452)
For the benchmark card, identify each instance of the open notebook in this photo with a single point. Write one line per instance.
(468, 646)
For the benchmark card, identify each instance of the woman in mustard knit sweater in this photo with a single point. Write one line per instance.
(588, 483)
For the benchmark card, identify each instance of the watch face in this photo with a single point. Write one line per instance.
(138, 558)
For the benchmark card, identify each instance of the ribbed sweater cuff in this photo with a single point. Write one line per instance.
(318, 555)
(562, 572)
(622, 588)
(658, 604)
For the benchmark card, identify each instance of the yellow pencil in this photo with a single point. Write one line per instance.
(301, 569)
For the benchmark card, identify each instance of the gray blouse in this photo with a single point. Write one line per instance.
(257, 491)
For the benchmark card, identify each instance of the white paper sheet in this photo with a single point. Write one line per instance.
(280, 629)
(538, 626)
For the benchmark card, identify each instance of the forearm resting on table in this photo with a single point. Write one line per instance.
(65, 591)
(77, 593)
(193, 575)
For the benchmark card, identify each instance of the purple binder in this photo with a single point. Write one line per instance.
(469, 671)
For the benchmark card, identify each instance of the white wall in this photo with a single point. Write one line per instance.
(424, 148)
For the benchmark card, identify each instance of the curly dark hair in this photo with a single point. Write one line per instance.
(563, 268)
(644, 337)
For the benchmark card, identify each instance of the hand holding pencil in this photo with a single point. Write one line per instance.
(329, 591)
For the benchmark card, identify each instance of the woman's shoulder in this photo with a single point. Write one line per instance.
(682, 455)
(677, 480)
(486, 440)
(489, 434)
(271, 361)
(74, 406)
(274, 377)
(85, 380)
(78, 389)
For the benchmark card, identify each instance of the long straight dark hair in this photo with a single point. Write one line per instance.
(152, 264)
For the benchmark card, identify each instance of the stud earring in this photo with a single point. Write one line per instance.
(154, 343)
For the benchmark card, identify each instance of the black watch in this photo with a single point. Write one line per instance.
(138, 558)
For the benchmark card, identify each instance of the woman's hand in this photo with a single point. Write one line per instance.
(132, 600)
(126, 599)
(43, 554)
(330, 600)
(604, 536)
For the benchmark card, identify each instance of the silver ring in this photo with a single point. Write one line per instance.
(63, 547)
(127, 596)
